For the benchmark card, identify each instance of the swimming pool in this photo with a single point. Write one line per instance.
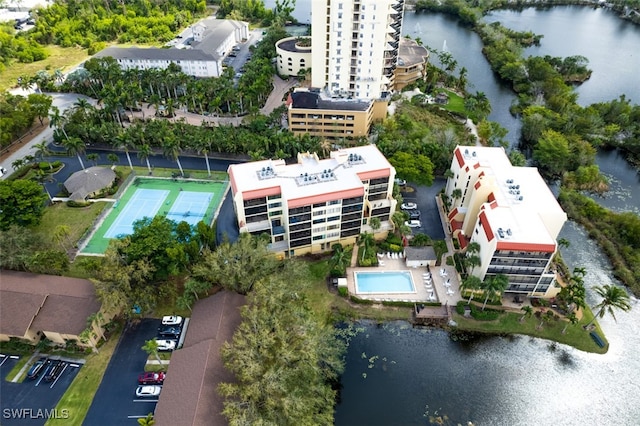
(384, 282)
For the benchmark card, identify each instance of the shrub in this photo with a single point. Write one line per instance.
(343, 291)
(395, 248)
(72, 203)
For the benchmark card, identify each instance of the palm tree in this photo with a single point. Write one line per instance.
(203, 146)
(364, 242)
(75, 146)
(42, 150)
(528, 310)
(58, 120)
(375, 223)
(147, 421)
(613, 297)
(492, 285)
(473, 258)
(573, 319)
(470, 284)
(144, 151)
(151, 348)
(18, 163)
(340, 258)
(123, 141)
(113, 158)
(171, 149)
(94, 157)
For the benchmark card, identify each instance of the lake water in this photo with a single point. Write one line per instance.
(396, 375)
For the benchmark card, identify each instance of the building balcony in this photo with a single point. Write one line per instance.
(262, 225)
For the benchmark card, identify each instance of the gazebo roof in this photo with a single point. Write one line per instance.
(84, 182)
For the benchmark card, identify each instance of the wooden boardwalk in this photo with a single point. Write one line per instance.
(431, 315)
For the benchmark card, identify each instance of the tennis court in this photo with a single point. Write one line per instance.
(179, 200)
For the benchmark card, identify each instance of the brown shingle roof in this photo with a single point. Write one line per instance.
(53, 303)
(189, 395)
(17, 311)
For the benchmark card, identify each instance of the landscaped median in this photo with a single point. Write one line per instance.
(79, 396)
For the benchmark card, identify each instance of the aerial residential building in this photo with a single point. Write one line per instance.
(511, 213)
(294, 55)
(309, 206)
(354, 53)
(355, 46)
(201, 55)
(412, 64)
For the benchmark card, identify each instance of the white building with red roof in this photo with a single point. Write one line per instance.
(308, 206)
(511, 213)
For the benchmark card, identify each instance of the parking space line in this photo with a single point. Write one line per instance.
(66, 364)
(4, 360)
(14, 357)
(44, 373)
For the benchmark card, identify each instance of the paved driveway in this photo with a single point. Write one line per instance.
(425, 197)
(115, 402)
(33, 401)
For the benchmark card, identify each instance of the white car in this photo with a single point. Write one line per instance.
(413, 224)
(148, 391)
(172, 320)
(166, 345)
(409, 206)
(401, 182)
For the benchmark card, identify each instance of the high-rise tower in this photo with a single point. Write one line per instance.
(355, 46)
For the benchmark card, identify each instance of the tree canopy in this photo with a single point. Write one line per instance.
(22, 203)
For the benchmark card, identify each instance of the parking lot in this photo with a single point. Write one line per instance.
(115, 402)
(425, 198)
(33, 401)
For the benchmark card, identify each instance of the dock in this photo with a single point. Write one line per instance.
(431, 315)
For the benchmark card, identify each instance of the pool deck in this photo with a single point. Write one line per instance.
(423, 293)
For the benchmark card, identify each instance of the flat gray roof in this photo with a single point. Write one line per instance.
(155, 54)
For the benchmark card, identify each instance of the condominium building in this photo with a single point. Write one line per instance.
(200, 55)
(511, 213)
(354, 52)
(309, 206)
(355, 46)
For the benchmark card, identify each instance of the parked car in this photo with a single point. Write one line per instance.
(401, 182)
(166, 344)
(235, 48)
(172, 320)
(148, 391)
(233, 54)
(57, 367)
(151, 378)
(169, 331)
(408, 206)
(38, 368)
(414, 214)
(413, 224)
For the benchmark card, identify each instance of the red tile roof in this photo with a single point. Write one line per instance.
(486, 226)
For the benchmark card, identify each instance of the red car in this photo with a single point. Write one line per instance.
(151, 378)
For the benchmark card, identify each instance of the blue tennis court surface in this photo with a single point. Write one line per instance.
(143, 203)
(190, 207)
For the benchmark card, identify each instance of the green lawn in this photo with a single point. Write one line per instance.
(79, 219)
(16, 368)
(63, 58)
(509, 323)
(78, 397)
(335, 307)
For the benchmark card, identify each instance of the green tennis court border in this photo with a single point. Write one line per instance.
(97, 243)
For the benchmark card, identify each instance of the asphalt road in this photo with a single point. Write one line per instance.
(30, 402)
(115, 402)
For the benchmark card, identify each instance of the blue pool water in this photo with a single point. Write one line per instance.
(384, 282)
